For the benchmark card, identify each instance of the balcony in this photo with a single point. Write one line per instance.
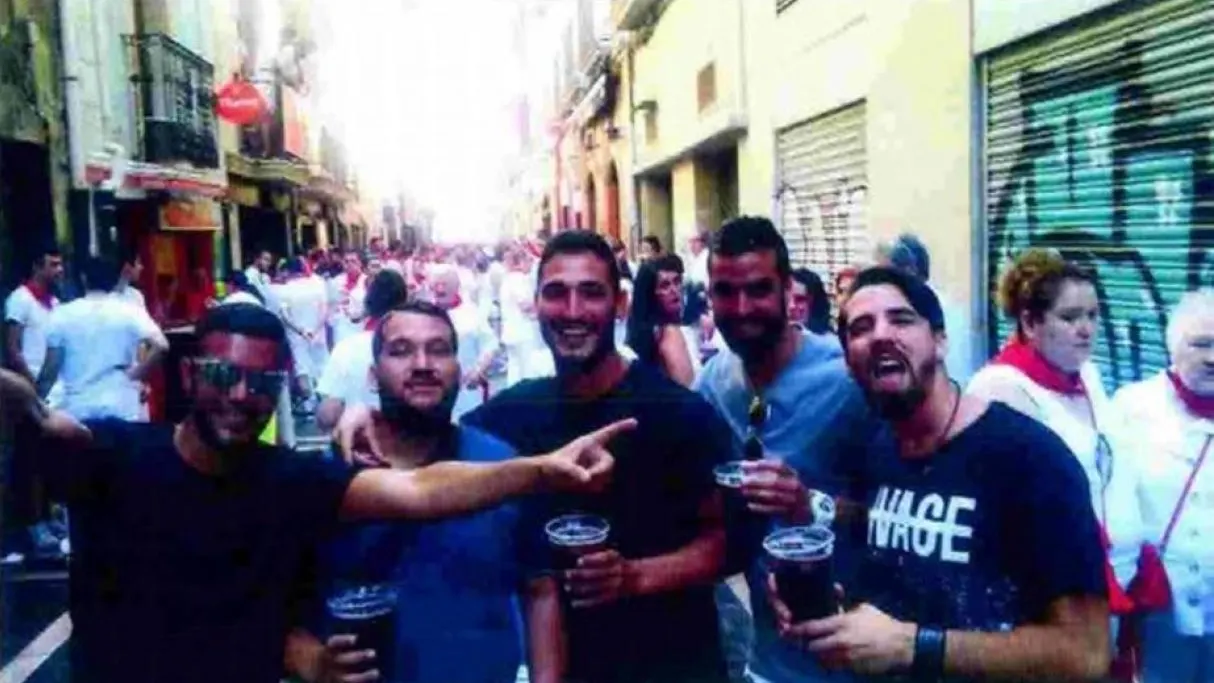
(175, 90)
(630, 15)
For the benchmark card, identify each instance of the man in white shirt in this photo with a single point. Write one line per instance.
(476, 343)
(93, 345)
(347, 376)
(301, 305)
(348, 291)
(27, 312)
(132, 270)
(521, 338)
(258, 272)
(697, 258)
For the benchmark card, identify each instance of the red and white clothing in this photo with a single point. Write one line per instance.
(347, 294)
(1169, 438)
(30, 307)
(1116, 503)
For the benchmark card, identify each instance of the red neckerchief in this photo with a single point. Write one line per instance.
(1201, 406)
(41, 294)
(455, 303)
(370, 324)
(351, 281)
(1022, 356)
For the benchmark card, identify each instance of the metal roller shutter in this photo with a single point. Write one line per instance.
(823, 186)
(1098, 143)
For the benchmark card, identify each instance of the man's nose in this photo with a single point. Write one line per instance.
(239, 391)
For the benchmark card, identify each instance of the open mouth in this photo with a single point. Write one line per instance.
(575, 336)
(888, 369)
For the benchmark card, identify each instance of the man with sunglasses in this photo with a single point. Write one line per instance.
(190, 538)
(792, 408)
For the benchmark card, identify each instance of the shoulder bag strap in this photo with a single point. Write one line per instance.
(1184, 495)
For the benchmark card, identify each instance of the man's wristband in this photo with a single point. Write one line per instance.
(928, 662)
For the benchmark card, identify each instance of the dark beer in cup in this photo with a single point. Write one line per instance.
(572, 536)
(369, 614)
(800, 559)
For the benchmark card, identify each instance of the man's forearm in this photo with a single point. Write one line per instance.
(702, 561)
(144, 366)
(545, 632)
(1030, 653)
(444, 489)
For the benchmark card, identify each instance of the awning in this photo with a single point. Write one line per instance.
(137, 175)
(268, 170)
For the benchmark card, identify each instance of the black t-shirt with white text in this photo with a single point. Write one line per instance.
(985, 534)
(181, 576)
(663, 472)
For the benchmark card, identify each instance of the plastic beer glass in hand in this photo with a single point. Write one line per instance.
(369, 614)
(800, 558)
(573, 536)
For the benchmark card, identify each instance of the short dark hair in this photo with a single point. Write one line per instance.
(917, 293)
(412, 306)
(249, 320)
(654, 242)
(386, 292)
(41, 254)
(572, 242)
(99, 274)
(668, 263)
(746, 234)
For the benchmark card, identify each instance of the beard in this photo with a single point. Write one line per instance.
(604, 347)
(901, 405)
(753, 347)
(414, 421)
(231, 451)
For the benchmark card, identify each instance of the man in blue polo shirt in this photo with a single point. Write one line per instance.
(456, 581)
(790, 393)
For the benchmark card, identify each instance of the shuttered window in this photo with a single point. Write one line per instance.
(822, 191)
(1098, 142)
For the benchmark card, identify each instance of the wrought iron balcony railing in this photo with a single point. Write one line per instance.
(176, 90)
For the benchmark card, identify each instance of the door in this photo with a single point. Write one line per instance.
(822, 196)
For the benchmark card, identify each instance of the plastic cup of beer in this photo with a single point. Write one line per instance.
(573, 536)
(369, 614)
(800, 559)
(728, 474)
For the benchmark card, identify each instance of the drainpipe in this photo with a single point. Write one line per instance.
(634, 232)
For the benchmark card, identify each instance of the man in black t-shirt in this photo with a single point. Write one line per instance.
(983, 559)
(642, 611)
(189, 540)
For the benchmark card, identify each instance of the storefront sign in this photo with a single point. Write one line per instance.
(194, 214)
(294, 124)
(244, 194)
(241, 103)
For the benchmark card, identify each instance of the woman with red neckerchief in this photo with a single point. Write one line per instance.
(1172, 415)
(1045, 371)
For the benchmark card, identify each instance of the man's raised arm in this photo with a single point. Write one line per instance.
(19, 404)
(453, 488)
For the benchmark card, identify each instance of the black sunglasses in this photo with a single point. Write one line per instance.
(224, 376)
(756, 416)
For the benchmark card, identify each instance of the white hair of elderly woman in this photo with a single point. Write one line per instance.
(1192, 306)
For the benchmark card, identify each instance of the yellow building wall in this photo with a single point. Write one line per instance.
(911, 61)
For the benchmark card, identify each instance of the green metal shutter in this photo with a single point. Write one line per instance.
(1098, 143)
(823, 186)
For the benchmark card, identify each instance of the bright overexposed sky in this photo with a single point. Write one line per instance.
(421, 90)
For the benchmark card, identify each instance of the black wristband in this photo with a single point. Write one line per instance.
(928, 663)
